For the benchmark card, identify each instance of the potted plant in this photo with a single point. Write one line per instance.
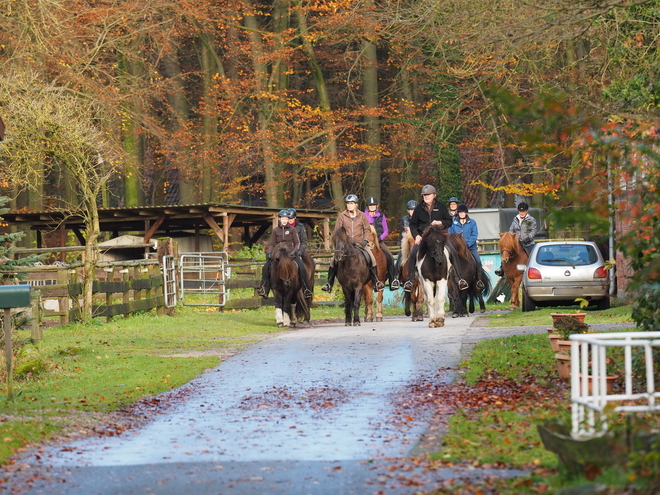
(566, 327)
(556, 317)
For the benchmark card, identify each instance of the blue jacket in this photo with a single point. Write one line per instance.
(468, 230)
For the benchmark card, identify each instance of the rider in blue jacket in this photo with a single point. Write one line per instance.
(467, 227)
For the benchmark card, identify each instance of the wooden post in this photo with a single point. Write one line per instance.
(37, 331)
(63, 302)
(8, 354)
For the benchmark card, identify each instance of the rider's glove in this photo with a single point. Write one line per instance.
(364, 243)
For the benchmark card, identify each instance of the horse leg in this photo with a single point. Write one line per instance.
(356, 307)
(515, 300)
(379, 306)
(367, 293)
(279, 317)
(441, 290)
(429, 295)
(418, 301)
(292, 317)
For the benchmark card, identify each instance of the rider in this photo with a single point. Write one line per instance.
(429, 212)
(379, 221)
(300, 229)
(405, 228)
(287, 234)
(359, 230)
(453, 206)
(524, 226)
(467, 227)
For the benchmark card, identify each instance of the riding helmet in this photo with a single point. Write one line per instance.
(351, 198)
(292, 213)
(372, 201)
(523, 206)
(462, 207)
(453, 199)
(428, 189)
(411, 205)
(283, 213)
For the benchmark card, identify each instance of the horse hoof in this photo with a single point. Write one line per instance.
(482, 310)
(368, 320)
(379, 319)
(280, 324)
(356, 324)
(454, 315)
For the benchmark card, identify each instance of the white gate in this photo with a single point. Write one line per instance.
(169, 281)
(202, 279)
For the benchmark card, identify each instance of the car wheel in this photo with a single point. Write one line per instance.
(604, 304)
(528, 303)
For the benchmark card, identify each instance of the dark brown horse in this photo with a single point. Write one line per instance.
(286, 285)
(353, 273)
(310, 267)
(465, 266)
(367, 293)
(512, 254)
(414, 298)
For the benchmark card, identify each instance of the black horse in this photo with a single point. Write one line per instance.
(287, 288)
(465, 266)
(353, 273)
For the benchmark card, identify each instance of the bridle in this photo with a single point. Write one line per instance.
(512, 254)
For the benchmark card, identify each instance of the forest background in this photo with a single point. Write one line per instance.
(296, 103)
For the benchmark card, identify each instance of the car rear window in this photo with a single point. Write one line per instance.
(566, 254)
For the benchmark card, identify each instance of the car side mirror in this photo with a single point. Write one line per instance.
(521, 267)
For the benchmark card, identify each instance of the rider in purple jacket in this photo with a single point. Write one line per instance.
(379, 221)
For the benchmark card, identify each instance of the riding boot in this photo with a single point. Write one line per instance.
(378, 285)
(408, 286)
(499, 272)
(264, 285)
(394, 281)
(302, 270)
(331, 280)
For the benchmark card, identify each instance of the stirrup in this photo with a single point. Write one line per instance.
(480, 285)
(499, 272)
(308, 293)
(379, 286)
(326, 288)
(261, 291)
(408, 286)
(462, 285)
(395, 284)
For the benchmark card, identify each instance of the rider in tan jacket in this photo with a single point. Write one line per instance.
(357, 226)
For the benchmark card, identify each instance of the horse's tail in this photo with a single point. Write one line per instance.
(485, 279)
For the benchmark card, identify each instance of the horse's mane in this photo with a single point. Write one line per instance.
(285, 267)
(407, 243)
(508, 240)
(458, 244)
(433, 243)
(339, 234)
(374, 241)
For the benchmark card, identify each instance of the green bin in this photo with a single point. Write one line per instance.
(14, 296)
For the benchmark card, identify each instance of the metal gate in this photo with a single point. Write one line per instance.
(202, 279)
(169, 281)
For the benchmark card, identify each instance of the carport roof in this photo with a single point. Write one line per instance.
(158, 221)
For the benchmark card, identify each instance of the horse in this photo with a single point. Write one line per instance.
(512, 254)
(414, 298)
(310, 266)
(433, 267)
(367, 292)
(287, 288)
(465, 266)
(353, 273)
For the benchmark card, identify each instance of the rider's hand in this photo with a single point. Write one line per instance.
(292, 254)
(418, 239)
(364, 243)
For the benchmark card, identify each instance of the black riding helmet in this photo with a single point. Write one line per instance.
(462, 207)
(371, 200)
(411, 205)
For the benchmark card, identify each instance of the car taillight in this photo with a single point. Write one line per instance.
(534, 274)
(600, 272)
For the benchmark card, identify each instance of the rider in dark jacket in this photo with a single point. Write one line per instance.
(429, 212)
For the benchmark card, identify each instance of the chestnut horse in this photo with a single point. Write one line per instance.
(353, 274)
(433, 267)
(512, 254)
(287, 288)
(381, 263)
(414, 298)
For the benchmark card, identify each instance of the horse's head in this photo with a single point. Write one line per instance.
(509, 246)
(341, 243)
(434, 238)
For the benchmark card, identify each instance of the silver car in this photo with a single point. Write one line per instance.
(558, 272)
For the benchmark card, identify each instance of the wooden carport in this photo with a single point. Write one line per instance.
(165, 221)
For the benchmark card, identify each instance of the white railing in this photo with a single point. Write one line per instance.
(591, 401)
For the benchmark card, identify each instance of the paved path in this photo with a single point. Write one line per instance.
(307, 412)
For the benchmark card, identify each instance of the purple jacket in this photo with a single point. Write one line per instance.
(379, 222)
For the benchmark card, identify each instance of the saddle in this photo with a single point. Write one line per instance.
(365, 253)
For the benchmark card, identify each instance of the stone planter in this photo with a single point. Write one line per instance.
(563, 346)
(609, 385)
(558, 316)
(563, 366)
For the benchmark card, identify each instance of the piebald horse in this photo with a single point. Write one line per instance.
(433, 267)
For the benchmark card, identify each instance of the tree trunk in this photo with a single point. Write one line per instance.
(209, 121)
(372, 179)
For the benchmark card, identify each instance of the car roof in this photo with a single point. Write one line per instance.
(565, 243)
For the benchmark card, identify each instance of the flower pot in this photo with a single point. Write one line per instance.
(554, 341)
(563, 366)
(558, 316)
(609, 385)
(563, 346)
